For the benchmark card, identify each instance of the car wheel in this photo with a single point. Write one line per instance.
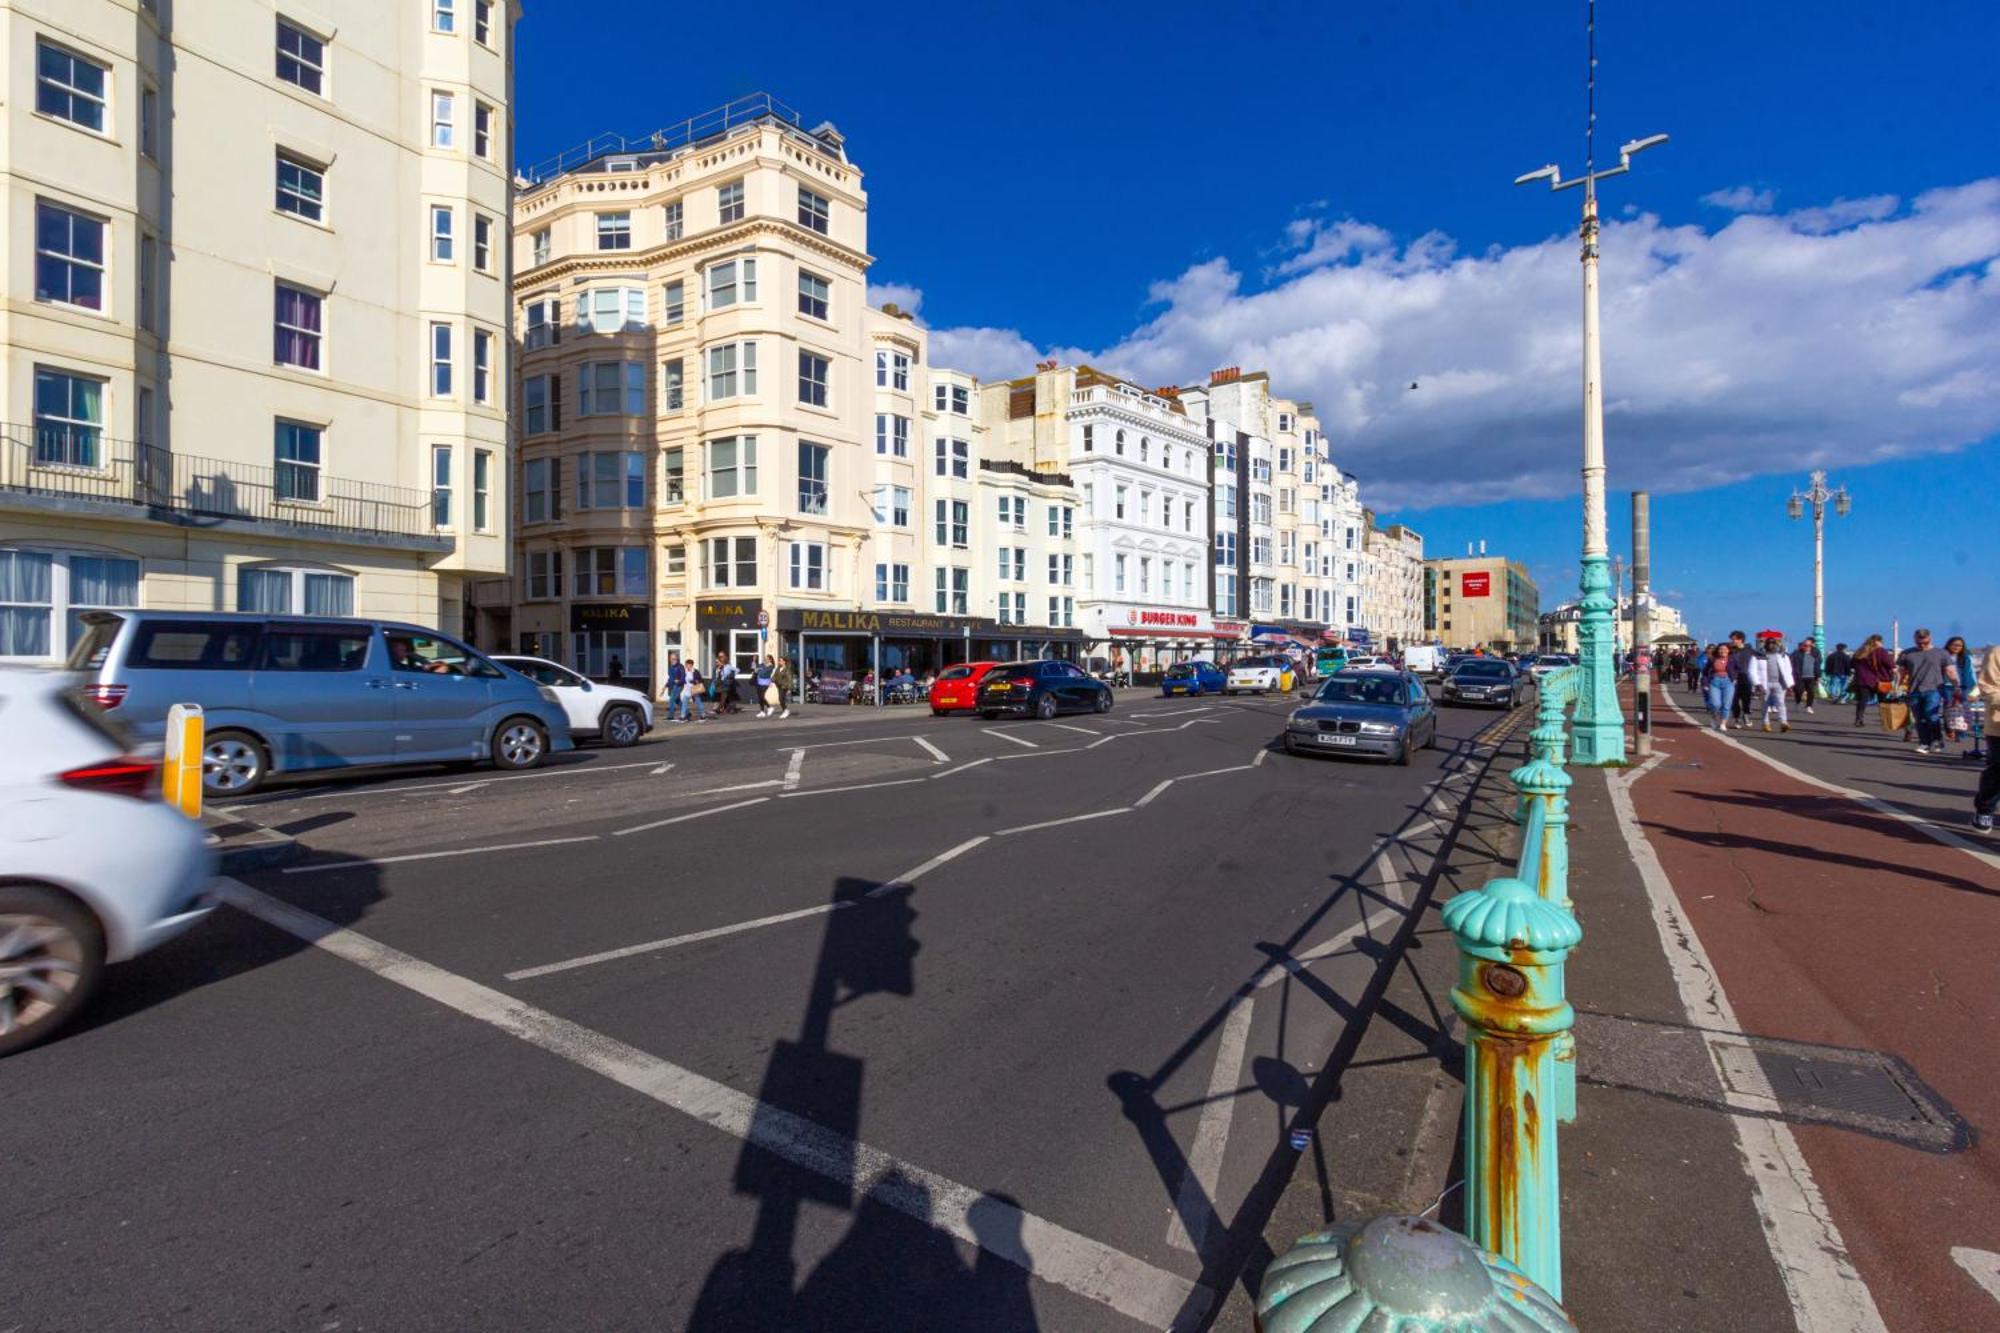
(621, 727)
(1431, 737)
(1045, 707)
(1290, 746)
(937, 712)
(1403, 753)
(1104, 702)
(519, 742)
(51, 955)
(989, 714)
(233, 763)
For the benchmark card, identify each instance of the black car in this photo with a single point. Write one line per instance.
(1485, 680)
(1041, 689)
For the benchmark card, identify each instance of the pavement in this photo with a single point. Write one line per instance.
(715, 1031)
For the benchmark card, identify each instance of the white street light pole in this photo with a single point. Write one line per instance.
(1816, 494)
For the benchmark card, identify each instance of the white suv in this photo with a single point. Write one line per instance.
(94, 868)
(612, 713)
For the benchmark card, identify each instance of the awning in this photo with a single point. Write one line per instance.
(1125, 632)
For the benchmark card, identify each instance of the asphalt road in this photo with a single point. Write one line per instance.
(844, 1023)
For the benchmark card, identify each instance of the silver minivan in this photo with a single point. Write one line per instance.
(288, 694)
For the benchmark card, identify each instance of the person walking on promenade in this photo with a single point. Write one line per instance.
(1874, 676)
(1987, 800)
(781, 681)
(725, 684)
(676, 688)
(692, 694)
(767, 702)
(1957, 692)
(1839, 666)
(1771, 672)
(1719, 685)
(1929, 668)
(1739, 674)
(1805, 671)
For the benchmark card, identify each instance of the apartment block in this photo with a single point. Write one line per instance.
(255, 347)
(723, 448)
(1392, 597)
(1482, 601)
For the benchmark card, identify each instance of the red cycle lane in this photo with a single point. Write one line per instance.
(1831, 922)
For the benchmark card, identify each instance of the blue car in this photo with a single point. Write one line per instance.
(1196, 677)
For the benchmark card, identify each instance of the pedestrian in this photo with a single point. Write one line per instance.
(616, 676)
(1771, 671)
(1739, 675)
(761, 678)
(1957, 691)
(1839, 666)
(676, 688)
(781, 682)
(725, 684)
(1805, 671)
(1987, 687)
(1927, 668)
(696, 686)
(1719, 685)
(1874, 676)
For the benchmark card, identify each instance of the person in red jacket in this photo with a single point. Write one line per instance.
(1874, 675)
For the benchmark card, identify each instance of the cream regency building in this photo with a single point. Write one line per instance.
(254, 348)
(1392, 594)
(1559, 628)
(723, 449)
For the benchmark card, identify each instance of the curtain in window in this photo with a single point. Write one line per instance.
(25, 577)
(98, 580)
(264, 591)
(329, 595)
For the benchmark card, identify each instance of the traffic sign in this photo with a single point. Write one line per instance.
(763, 620)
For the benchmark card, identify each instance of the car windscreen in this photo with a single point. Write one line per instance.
(1371, 690)
(955, 673)
(1482, 670)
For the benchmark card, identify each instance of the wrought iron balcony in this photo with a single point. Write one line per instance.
(80, 463)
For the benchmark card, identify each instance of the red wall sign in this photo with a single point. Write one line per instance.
(1476, 584)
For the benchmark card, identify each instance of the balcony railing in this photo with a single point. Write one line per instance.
(694, 130)
(81, 462)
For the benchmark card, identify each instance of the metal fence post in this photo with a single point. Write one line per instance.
(1512, 943)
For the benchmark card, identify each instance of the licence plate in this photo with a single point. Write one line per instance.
(1339, 740)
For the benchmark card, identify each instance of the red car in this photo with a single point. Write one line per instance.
(953, 690)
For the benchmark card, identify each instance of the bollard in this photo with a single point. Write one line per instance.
(1403, 1273)
(1512, 944)
(180, 771)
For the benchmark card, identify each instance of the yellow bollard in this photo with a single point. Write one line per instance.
(180, 774)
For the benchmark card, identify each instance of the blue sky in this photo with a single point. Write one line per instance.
(1805, 276)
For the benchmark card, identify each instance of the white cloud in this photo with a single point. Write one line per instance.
(1829, 336)
(1742, 199)
(901, 294)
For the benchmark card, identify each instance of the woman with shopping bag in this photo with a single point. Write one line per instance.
(1874, 678)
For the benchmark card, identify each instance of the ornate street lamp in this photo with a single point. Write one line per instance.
(1817, 495)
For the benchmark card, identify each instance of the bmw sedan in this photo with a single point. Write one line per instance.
(1262, 674)
(1382, 713)
(1041, 690)
(1196, 677)
(1485, 680)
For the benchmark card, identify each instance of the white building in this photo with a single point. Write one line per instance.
(1392, 598)
(255, 355)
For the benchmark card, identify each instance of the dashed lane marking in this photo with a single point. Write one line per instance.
(856, 786)
(1045, 1249)
(460, 791)
(936, 753)
(693, 814)
(975, 763)
(663, 768)
(1072, 819)
(1081, 731)
(911, 876)
(562, 770)
(675, 941)
(1211, 1133)
(432, 856)
(1006, 736)
(794, 768)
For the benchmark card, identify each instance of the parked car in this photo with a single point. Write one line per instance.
(1369, 662)
(1041, 689)
(94, 867)
(1197, 677)
(288, 694)
(1548, 662)
(1485, 680)
(956, 689)
(614, 714)
(1262, 674)
(1385, 713)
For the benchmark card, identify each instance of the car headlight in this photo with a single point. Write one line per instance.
(549, 696)
(1379, 728)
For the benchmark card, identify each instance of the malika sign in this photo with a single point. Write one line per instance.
(1476, 583)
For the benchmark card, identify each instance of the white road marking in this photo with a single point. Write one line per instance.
(432, 856)
(794, 768)
(1185, 777)
(1827, 1295)
(1045, 1249)
(1073, 819)
(1147, 799)
(1149, 731)
(564, 770)
(864, 740)
(737, 786)
(858, 786)
(962, 767)
(911, 876)
(460, 791)
(1211, 1133)
(674, 942)
(695, 814)
(1008, 736)
(1875, 803)
(1177, 712)
(1262, 755)
(1984, 1265)
(936, 753)
(663, 768)
(1083, 731)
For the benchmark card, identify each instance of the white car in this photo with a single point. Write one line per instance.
(94, 867)
(612, 713)
(1366, 663)
(1262, 674)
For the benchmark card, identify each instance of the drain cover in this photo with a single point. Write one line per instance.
(1861, 1090)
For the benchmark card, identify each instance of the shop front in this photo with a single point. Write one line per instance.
(733, 626)
(1146, 640)
(613, 642)
(834, 653)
